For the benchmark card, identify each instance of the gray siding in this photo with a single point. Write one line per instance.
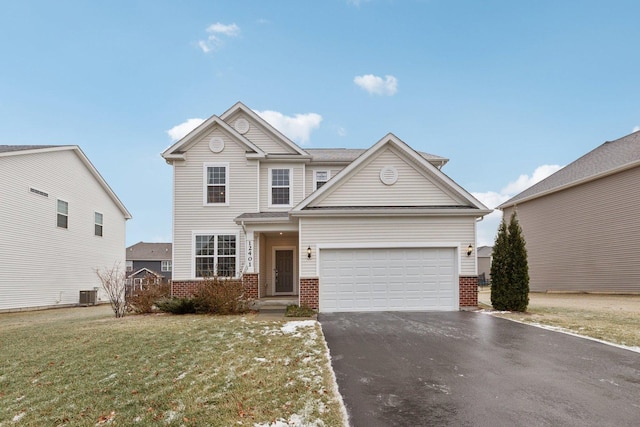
(153, 266)
(585, 238)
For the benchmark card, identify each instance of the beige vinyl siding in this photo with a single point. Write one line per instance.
(585, 238)
(189, 212)
(412, 187)
(43, 265)
(260, 137)
(310, 172)
(296, 180)
(380, 230)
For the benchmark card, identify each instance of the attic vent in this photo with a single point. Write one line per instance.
(242, 126)
(388, 175)
(216, 144)
(41, 193)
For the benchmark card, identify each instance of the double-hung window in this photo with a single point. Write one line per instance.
(280, 183)
(216, 255)
(216, 184)
(97, 223)
(129, 265)
(165, 266)
(63, 214)
(320, 178)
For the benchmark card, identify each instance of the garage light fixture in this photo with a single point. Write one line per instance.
(469, 250)
(309, 252)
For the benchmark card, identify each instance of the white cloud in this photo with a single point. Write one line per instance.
(376, 85)
(636, 128)
(488, 227)
(342, 131)
(298, 127)
(216, 33)
(179, 131)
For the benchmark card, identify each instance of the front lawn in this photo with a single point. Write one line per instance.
(81, 366)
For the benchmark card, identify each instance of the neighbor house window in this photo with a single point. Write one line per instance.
(63, 214)
(320, 178)
(216, 189)
(129, 265)
(97, 223)
(280, 187)
(216, 255)
(166, 266)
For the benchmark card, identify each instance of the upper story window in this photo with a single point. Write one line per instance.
(280, 183)
(63, 214)
(320, 178)
(97, 223)
(166, 266)
(216, 184)
(129, 265)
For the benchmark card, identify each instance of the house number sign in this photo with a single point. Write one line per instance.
(250, 254)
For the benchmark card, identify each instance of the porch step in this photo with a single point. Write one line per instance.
(273, 304)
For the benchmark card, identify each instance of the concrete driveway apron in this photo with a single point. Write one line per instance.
(472, 369)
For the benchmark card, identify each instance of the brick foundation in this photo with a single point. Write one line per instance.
(468, 291)
(250, 283)
(184, 289)
(309, 292)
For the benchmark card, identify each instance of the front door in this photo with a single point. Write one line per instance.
(283, 271)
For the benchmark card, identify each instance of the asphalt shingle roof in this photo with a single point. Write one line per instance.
(329, 155)
(142, 251)
(607, 157)
(9, 148)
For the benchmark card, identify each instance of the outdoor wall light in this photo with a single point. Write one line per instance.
(309, 252)
(469, 250)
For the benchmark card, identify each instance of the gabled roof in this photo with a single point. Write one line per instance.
(17, 150)
(609, 158)
(146, 271)
(143, 251)
(411, 155)
(348, 155)
(239, 106)
(176, 151)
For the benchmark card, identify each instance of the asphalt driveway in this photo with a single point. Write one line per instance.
(473, 369)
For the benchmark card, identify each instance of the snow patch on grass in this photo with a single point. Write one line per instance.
(18, 417)
(292, 327)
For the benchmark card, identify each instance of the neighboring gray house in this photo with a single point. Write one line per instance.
(336, 229)
(485, 254)
(149, 258)
(59, 221)
(581, 223)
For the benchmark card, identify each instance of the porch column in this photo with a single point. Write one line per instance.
(250, 253)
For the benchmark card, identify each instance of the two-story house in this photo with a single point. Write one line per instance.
(144, 259)
(340, 229)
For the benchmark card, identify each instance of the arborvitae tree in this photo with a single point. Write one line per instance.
(510, 268)
(519, 268)
(499, 269)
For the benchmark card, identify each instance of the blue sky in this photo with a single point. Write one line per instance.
(508, 90)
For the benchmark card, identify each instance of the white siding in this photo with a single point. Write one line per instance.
(260, 137)
(43, 265)
(189, 212)
(380, 230)
(366, 189)
(297, 185)
(309, 174)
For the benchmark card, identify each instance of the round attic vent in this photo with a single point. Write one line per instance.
(216, 144)
(388, 175)
(241, 125)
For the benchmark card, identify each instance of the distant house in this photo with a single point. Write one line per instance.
(581, 223)
(59, 221)
(149, 258)
(484, 264)
(381, 229)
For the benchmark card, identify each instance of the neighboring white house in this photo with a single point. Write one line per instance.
(59, 221)
(340, 229)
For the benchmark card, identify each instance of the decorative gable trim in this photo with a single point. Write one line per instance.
(239, 106)
(403, 149)
(176, 151)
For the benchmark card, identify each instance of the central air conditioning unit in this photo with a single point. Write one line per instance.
(88, 297)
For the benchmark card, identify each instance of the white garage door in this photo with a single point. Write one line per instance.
(398, 279)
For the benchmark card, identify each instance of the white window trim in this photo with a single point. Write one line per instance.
(216, 233)
(271, 205)
(96, 223)
(205, 183)
(59, 213)
(128, 265)
(315, 180)
(163, 265)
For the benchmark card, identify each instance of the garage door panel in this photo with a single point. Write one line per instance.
(388, 279)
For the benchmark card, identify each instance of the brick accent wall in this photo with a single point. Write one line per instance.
(468, 291)
(183, 289)
(309, 292)
(250, 283)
